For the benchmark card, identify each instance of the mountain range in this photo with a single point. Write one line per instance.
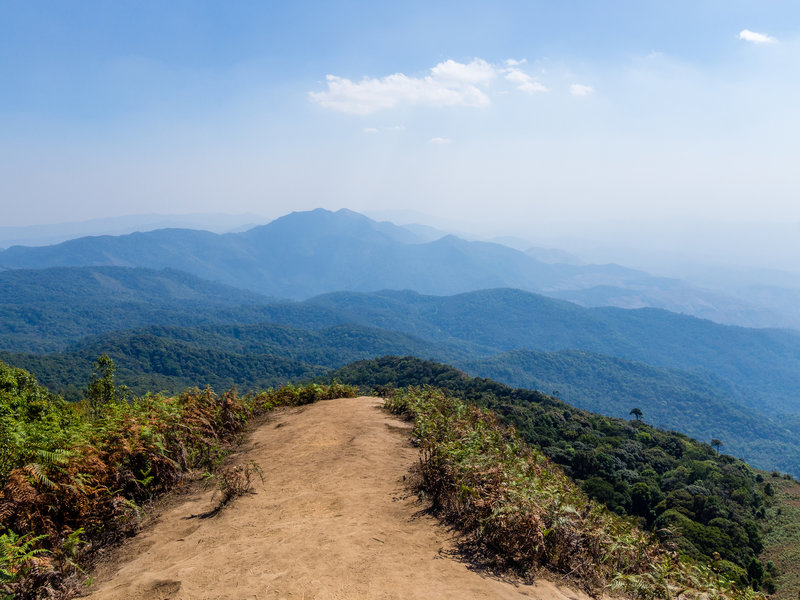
(315, 252)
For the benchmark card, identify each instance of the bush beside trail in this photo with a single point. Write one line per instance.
(710, 505)
(74, 476)
(520, 506)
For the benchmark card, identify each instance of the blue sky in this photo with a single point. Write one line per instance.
(534, 116)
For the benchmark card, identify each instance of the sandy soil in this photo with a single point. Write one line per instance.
(333, 520)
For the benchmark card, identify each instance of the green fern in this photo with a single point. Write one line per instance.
(18, 555)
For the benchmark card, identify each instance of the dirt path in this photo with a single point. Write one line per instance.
(334, 520)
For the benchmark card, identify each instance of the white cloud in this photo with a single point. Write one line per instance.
(525, 82)
(756, 38)
(578, 89)
(370, 130)
(450, 84)
(478, 72)
(440, 140)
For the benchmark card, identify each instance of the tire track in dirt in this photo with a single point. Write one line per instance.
(334, 520)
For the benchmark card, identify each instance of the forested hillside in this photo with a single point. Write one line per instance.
(697, 404)
(763, 363)
(124, 450)
(45, 310)
(253, 357)
(702, 501)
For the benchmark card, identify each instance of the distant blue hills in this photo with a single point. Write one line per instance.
(304, 254)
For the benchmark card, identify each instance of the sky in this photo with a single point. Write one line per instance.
(568, 119)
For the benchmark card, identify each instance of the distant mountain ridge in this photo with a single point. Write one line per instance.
(48, 234)
(45, 310)
(764, 364)
(305, 254)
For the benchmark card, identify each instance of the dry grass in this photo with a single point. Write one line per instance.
(782, 536)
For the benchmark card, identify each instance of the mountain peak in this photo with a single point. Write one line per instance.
(321, 223)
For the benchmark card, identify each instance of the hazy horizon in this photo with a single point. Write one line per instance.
(644, 246)
(640, 133)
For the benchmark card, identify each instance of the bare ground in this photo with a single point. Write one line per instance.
(334, 519)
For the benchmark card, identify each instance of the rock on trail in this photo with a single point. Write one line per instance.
(333, 520)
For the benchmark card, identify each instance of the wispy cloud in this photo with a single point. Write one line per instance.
(524, 82)
(578, 89)
(370, 130)
(440, 140)
(756, 38)
(450, 83)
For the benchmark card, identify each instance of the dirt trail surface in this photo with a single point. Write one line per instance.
(333, 520)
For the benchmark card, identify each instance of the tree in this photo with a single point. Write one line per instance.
(715, 443)
(641, 499)
(637, 412)
(102, 390)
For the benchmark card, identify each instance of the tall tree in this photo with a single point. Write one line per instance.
(101, 390)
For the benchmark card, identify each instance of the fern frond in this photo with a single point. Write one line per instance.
(18, 555)
(57, 456)
(38, 474)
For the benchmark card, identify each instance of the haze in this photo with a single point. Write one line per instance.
(649, 133)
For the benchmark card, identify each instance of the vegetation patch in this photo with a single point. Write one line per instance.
(483, 477)
(74, 476)
(708, 505)
(782, 536)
